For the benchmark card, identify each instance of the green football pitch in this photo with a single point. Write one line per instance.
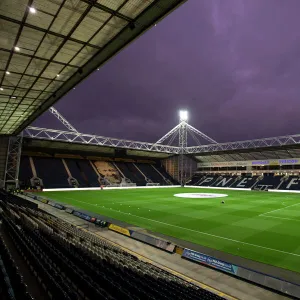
(261, 226)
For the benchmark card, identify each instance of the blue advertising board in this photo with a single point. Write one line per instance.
(82, 215)
(210, 261)
(59, 206)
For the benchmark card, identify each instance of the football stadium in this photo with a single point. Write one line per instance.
(93, 217)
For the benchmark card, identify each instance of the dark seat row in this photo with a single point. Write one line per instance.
(71, 270)
(11, 280)
(54, 172)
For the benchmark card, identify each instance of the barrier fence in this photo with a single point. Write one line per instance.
(268, 281)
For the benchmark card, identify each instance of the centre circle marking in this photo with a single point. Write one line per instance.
(199, 195)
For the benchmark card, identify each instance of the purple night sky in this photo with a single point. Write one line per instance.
(234, 64)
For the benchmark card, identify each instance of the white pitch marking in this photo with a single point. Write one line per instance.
(204, 233)
(278, 209)
(281, 218)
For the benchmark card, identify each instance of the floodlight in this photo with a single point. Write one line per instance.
(32, 10)
(183, 115)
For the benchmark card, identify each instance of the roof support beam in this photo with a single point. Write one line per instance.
(47, 31)
(13, 87)
(40, 58)
(33, 76)
(89, 139)
(108, 10)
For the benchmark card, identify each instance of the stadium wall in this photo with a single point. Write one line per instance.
(110, 188)
(162, 187)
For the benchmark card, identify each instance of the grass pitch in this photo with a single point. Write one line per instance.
(256, 225)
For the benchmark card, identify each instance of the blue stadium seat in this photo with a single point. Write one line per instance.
(52, 172)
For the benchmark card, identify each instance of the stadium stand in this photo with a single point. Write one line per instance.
(208, 180)
(51, 171)
(151, 173)
(290, 183)
(267, 180)
(25, 171)
(12, 285)
(195, 180)
(245, 182)
(162, 171)
(76, 172)
(108, 171)
(54, 172)
(74, 264)
(270, 181)
(225, 181)
(132, 173)
(88, 172)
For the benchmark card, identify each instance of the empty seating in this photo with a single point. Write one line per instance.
(88, 172)
(76, 173)
(225, 181)
(269, 181)
(74, 264)
(132, 173)
(290, 183)
(195, 179)
(163, 171)
(25, 173)
(12, 285)
(55, 172)
(51, 171)
(208, 180)
(245, 182)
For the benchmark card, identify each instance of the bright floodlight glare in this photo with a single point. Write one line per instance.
(183, 115)
(32, 10)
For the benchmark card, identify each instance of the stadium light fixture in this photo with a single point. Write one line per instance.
(183, 115)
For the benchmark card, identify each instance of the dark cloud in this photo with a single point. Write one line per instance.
(234, 64)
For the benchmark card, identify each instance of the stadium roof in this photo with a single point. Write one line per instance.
(263, 153)
(59, 147)
(48, 47)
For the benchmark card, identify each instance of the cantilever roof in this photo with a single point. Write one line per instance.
(262, 153)
(49, 46)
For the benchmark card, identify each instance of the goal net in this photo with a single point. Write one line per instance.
(152, 184)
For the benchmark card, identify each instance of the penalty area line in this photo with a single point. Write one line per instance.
(188, 229)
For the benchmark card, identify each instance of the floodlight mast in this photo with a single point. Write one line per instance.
(182, 162)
